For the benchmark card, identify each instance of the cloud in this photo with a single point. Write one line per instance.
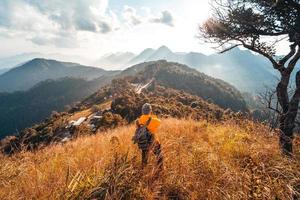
(131, 17)
(85, 25)
(37, 19)
(33, 15)
(40, 40)
(18, 15)
(57, 41)
(65, 42)
(66, 23)
(105, 27)
(81, 15)
(165, 18)
(4, 15)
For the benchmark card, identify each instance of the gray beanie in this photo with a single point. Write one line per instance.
(146, 109)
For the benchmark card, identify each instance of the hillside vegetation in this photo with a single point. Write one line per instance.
(181, 77)
(23, 109)
(118, 104)
(174, 89)
(202, 160)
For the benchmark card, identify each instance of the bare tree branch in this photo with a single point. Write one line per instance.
(228, 49)
(289, 55)
(270, 58)
(294, 61)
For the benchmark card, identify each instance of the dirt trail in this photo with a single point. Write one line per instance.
(140, 87)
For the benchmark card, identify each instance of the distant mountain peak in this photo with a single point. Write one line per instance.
(164, 48)
(148, 50)
(115, 60)
(36, 60)
(42, 61)
(29, 74)
(162, 53)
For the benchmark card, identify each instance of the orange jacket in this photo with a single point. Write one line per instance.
(154, 123)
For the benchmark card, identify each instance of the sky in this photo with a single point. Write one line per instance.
(92, 28)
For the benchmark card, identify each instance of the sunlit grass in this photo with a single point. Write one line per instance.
(202, 160)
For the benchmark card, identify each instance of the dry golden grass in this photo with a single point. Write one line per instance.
(88, 112)
(105, 105)
(202, 160)
(84, 113)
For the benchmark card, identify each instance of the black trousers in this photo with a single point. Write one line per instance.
(155, 148)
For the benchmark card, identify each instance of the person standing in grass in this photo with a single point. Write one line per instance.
(147, 126)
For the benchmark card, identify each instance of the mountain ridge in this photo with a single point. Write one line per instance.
(182, 77)
(241, 68)
(167, 74)
(115, 60)
(19, 59)
(212, 95)
(34, 71)
(142, 56)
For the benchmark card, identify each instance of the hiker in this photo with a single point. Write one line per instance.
(144, 136)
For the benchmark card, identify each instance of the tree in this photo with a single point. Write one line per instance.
(260, 26)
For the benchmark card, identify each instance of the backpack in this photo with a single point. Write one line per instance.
(143, 137)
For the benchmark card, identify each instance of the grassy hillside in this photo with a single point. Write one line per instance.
(23, 109)
(122, 105)
(181, 77)
(202, 160)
